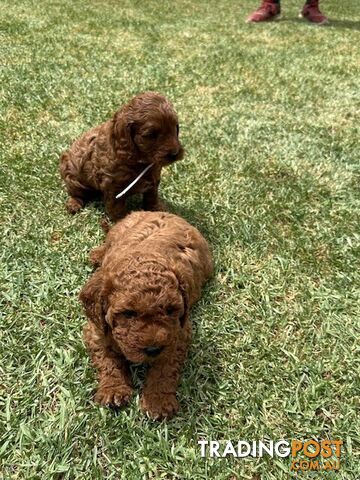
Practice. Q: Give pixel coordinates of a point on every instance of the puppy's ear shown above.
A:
(123, 131)
(94, 296)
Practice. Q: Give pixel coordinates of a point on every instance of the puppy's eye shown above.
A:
(151, 134)
(170, 310)
(129, 313)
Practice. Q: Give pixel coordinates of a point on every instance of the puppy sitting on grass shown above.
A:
(107, 158)
(150, 272)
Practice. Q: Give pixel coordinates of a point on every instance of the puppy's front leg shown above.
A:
(115, 207)
(151, 200)
(159, 394)
(115, 387)
(74, 204)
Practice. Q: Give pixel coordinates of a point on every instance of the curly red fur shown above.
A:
(108, 157)
(150, 272)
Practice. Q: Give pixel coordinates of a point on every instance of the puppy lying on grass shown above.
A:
(107, 158)
(150, 272)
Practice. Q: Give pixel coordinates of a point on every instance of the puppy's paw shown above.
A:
(73, 205)
(117, 396)
(105, 225)
(96, 255)
(159, 406)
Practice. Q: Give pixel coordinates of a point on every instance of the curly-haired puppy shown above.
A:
(151, 270)
(107, 158)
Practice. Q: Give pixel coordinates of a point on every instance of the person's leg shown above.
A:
(311, 12)
(268, 10)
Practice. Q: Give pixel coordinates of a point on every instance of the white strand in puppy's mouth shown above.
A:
(126, 189)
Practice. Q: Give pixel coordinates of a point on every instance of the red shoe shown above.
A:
(268, 10)
(312, 13)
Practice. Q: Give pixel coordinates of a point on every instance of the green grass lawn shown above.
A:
(270, 119)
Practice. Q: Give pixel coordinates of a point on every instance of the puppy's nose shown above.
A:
(173, 153)
(153, 351)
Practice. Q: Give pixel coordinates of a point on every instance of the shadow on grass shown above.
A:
(333, 23)
(133, 204)
(194, 217)
(344, 24)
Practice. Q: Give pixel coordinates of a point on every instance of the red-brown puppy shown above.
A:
(107, 158)
(151, 270)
